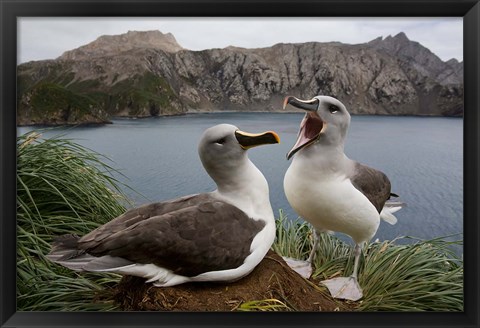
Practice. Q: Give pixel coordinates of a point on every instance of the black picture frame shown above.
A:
(11, 10)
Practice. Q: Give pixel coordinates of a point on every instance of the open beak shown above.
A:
(249, 140)
(310, 127)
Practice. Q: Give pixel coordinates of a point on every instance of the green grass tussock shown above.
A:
(61, 188)
(425, 275)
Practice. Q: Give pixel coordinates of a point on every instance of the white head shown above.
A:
(326, 122)
(223, 150)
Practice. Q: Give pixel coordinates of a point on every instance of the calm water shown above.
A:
(423, 158)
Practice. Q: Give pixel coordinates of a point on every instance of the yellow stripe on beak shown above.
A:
(249, 140)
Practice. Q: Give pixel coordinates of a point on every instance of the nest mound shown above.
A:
(271, 279)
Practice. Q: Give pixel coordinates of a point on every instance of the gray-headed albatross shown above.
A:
(331, 191)
(217, 236)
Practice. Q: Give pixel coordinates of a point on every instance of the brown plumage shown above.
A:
(373, 184)
(180, 236)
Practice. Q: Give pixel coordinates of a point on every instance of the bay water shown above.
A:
(422, 156)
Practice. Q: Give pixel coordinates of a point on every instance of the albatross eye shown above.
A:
(221, 141)
(333, 109)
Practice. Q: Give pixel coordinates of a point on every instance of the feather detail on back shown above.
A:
(65, 247)
(192, 237)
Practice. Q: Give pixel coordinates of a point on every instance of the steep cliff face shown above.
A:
(148, 74)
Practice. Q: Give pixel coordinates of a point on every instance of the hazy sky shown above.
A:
(48, 37)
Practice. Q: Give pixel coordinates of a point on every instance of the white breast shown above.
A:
(331, 202)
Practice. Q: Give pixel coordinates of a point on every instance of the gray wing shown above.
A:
(144, 212)
(209, 236)
(374, 184)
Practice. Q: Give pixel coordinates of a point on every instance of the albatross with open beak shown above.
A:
(331, 191)
(216, 236)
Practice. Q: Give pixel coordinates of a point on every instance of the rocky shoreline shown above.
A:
(102, 123)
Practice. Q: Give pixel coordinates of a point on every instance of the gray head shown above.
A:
(326, 122)
(223, 148)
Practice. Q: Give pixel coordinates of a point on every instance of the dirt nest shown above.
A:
(271, 279)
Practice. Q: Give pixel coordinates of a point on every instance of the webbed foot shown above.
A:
(344, 288)
(303, 268)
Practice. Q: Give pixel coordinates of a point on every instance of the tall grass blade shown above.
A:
(62, 188)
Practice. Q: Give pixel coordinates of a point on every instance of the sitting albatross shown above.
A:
(331, 191)
(216, 236)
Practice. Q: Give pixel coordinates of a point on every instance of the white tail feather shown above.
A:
(388, 209)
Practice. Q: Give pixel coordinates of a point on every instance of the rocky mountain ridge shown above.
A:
(110, 44)
(148, 74)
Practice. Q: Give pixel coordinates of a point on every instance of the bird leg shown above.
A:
(304, 268)
(358, 251)
(316, 237)
(347, 287)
